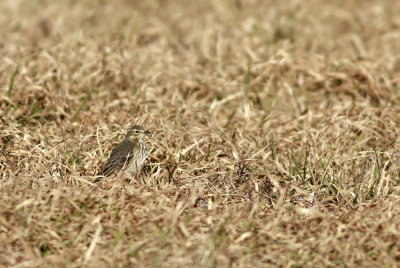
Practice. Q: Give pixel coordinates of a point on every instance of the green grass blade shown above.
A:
(11, 86)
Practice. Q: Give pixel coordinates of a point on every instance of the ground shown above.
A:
(275, 133)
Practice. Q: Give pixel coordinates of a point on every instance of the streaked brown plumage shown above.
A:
(130, 154)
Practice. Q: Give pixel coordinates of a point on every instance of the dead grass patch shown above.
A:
(275, 133)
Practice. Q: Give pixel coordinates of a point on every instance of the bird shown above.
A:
(129, 154)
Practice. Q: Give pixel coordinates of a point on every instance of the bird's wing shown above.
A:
(119, 156)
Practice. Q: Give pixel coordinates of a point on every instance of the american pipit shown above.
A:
(128, 154)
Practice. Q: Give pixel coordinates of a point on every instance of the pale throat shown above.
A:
(139, 137)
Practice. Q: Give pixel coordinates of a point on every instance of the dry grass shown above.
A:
(276, 133)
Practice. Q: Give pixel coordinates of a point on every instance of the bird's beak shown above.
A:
(147, 132)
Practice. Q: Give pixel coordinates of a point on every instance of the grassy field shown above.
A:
(275, 133)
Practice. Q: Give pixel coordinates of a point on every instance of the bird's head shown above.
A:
(137, 132)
